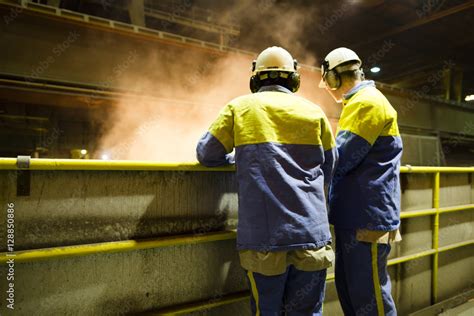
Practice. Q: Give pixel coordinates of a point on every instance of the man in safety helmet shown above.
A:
(285, 154)
(364, 197)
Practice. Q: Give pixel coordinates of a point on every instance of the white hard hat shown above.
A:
(335, 58)
(274, 58)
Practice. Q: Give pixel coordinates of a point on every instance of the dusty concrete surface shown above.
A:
(76, 207)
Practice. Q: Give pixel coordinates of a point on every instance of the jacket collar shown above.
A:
(361, 85)
(276, 88)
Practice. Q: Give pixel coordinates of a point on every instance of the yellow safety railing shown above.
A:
(436, 211)
(109, 165)
(129, 245)
(114, 246)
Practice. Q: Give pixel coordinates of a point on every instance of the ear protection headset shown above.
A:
(333, 77)
(293, 78)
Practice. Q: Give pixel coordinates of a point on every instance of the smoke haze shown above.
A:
(192, 86)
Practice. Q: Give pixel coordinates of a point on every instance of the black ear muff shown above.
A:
(294, 81)
(255, 84)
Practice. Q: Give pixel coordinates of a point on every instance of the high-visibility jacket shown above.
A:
(365, 189)
(284, 153)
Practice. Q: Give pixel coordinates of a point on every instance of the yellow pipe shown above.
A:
(411, 169)
(456, 245)
(114, 246)
(449, 209)
(81, 164)
(429, 252)
(8, 163)
(103, 165)
(203, 305)
(434, 275)
(411, 257)
(409, 214)
(433, 211)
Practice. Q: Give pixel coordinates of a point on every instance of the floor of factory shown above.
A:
(460, 305)
(465, 309)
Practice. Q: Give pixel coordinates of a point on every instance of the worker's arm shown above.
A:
(215, 146)
(330, 150)
(358, 130)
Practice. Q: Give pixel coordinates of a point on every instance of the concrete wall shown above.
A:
(75, 207)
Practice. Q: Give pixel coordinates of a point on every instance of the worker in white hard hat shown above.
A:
(285, 154)
(364, 196)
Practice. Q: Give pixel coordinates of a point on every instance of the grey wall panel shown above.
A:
(416, 232)
(429, 114)
(453, 120)
(456, 227)
(411, 112)
(415, 286)
(75, 207)
(115, 284)
(44, 48)
(456, 272)
(416, 191)
(455, 189)
(416, 235)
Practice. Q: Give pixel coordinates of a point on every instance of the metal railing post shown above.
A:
(434, 280)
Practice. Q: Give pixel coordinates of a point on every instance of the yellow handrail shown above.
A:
(432, 211)
(96, 164)
(411, 169)
(107, 165)
(114, 246)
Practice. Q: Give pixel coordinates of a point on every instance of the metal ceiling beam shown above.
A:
(8, 128)
(24, 117)
(414, 81)
(405, 71)
(193, 23)
(426, 62)
(419, 22)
